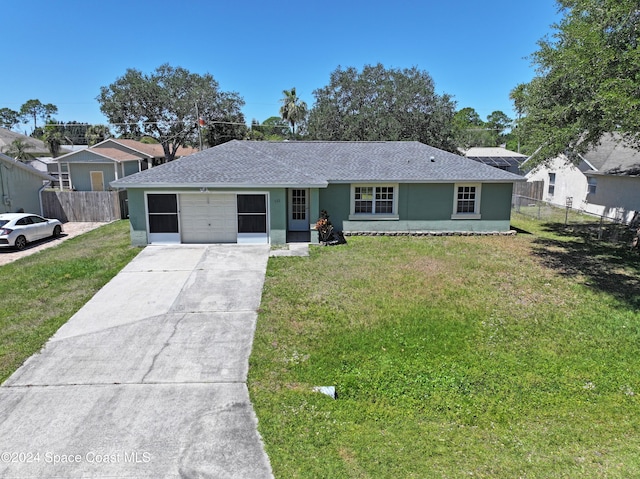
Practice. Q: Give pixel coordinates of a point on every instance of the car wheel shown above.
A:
(21, 243)
(56, 231)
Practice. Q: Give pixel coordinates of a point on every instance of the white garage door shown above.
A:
(208, 218)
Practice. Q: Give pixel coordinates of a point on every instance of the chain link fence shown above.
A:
(575, 221)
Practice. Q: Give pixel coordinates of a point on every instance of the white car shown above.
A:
(18, 229)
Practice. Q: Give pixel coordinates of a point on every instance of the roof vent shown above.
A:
(433, 159)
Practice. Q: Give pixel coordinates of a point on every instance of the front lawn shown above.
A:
(452, 357)
(40, 292)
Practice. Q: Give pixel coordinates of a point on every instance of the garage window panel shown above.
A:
(163, 213)
(252, 214)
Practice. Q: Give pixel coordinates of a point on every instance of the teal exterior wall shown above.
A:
(430, 202)
(19, 189)
(138, 219)
(496, 201)
(423, 208)
(335, 199)
(278, 215)
(81, 174)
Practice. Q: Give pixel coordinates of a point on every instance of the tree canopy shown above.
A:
(34, 109)
(9, 118)
(471, 130)
(587, 82)
(168, 105)
(382, 104)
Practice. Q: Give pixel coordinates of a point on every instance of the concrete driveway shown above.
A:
(148, 379)
(70, 230)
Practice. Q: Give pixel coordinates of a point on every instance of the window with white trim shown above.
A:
(592, 183)
(374, 200)
(552, 184)
(466, 202)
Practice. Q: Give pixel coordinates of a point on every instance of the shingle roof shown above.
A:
(314, 164)
(614, 157)
(152, 149)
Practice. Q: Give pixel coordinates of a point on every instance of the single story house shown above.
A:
(259, 191)
(20, 186)
(605, 181)
(93, 168)
(497, 157)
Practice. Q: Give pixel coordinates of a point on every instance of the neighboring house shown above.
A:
(20, 186)
(35, 147)
(258, 191)
(93, 168)
(606, 181)
(498, 157)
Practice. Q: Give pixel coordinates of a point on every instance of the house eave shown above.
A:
(432, 181)
(117, 184)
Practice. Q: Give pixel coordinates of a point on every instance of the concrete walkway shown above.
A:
(148, 379)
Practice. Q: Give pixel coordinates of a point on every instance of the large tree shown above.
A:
(382, 104)
(470, 130)
(9, 118)
(293, 109)
(167, 105)
(34, 109)
(587, 82)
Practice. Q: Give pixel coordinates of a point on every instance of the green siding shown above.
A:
(496, 202)
(81, 174)
(432, 202)
(137, 212)
(278, 215)
(423, 207)
(130, 167)
(137, 217)
(335, 199)
(19, 190)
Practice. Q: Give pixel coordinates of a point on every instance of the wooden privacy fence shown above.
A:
(91, 206)
(529, 189)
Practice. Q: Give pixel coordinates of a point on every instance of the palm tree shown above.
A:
(53, 139)
(97, 133)
(293, 109)
(18, 150)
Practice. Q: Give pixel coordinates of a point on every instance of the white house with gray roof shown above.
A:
(258, 191)
(605, 181)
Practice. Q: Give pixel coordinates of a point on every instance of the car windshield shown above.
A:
(3, 222)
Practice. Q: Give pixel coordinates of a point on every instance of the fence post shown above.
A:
(569, 203)
(600, 228)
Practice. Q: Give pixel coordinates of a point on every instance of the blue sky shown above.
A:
(63, 51)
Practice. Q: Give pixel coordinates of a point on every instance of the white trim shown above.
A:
(169, 238)
(476, 209)
(161, 238)
(353, 216)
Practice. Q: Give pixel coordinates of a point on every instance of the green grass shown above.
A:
(452, 357)
(40, 292)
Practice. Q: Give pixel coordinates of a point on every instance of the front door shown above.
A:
(97, 181)
(298, 210)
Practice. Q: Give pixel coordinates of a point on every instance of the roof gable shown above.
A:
(614, 157)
